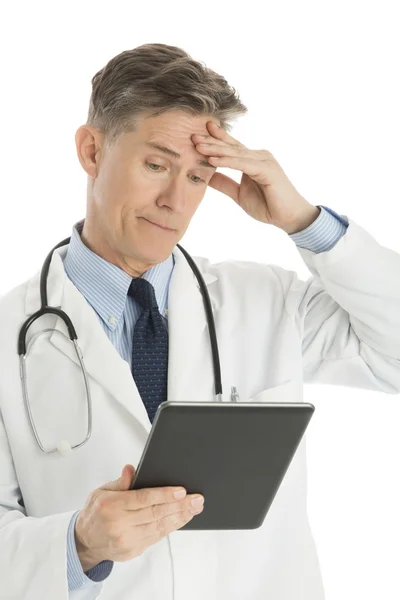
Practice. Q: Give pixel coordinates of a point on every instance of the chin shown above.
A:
(154, 256)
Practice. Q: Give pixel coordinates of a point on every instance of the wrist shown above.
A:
(87, 560)
(86, 557)
(304, 221)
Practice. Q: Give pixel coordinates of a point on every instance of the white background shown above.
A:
(321, 82)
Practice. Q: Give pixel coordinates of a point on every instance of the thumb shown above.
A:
(123, 482)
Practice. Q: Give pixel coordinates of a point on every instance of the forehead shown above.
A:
(174, 127)
(171, 133)
(175, 124)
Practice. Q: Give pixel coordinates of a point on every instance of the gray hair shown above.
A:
(152, 79)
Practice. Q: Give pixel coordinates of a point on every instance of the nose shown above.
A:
(174, 196)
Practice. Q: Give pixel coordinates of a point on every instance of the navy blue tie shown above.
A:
(150, 348)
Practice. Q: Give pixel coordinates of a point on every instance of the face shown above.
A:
(141, 198)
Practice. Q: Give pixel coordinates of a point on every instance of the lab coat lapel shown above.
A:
(102, 361)
(190, 367)
(190, 374)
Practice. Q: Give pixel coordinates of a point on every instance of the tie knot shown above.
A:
(143, 292)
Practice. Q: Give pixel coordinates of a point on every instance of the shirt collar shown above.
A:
(104, 285)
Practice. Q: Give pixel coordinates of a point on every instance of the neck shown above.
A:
(100, 246)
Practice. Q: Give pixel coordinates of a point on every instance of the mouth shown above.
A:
(159, 226)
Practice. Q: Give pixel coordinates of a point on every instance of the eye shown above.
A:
(150, 165)
(153, 165)
(199, 178)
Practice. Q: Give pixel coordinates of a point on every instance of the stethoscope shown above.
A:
(64, 446)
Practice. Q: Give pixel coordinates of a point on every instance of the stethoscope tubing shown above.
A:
(45, 309)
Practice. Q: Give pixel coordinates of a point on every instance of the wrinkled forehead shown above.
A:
(171, 133)
(175, 125)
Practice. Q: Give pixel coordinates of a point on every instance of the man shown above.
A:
(68, 527)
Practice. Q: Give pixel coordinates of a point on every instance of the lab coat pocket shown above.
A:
(290, 391)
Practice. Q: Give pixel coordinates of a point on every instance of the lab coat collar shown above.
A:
(190, 373)
(105, 285)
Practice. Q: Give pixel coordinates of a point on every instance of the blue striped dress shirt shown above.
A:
(105, 288)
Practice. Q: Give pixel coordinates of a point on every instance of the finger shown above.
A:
(136, 499)
(163, 527)
(160, 511)
(254, 168)
(225, 185)
(123, 482)
(208, 139)
(221, 134)
(221, 150)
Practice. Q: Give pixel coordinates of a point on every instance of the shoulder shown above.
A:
(247, 287)
(255, 275)
(12, 307)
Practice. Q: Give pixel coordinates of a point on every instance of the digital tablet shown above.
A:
(233, 453)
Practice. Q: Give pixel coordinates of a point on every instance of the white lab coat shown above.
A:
(275, 331)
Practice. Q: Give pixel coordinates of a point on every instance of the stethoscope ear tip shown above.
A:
(64, 448)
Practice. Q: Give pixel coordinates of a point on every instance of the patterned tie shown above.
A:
(150, 348)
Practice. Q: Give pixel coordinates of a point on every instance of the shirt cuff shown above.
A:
(75, 575)
(323, 233)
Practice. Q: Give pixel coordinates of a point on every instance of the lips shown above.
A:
(157, 225)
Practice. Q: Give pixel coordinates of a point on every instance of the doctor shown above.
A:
(70, 527)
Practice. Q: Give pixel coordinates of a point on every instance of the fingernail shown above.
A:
(179, 495)
(197, 501)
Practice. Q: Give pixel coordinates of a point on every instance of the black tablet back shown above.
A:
(234, 453)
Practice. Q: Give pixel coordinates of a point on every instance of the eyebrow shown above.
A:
(167, 150)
